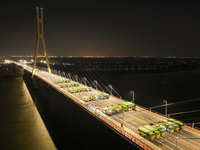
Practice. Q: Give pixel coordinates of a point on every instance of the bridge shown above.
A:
(125, 123)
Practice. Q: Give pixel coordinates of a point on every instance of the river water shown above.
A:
(21, 127)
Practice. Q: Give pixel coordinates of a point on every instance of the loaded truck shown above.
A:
(105, 96)
(146, 133)
(167, 127)
(158, 128)
(129, 105)
(85, 98)
(106, 110)
(175, 126)
(180, 124)
(154, 130)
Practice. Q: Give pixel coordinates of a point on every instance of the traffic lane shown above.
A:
(189, 142)
(190, 138)
(133, 125)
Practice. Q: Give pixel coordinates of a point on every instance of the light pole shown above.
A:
(165, 101)
(133, 95)
(84, 78)
(96, 83)
(76, 78)
(69, 76)
(111, 89)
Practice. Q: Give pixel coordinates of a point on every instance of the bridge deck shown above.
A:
(186, 139)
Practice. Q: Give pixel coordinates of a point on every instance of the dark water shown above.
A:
(21, 127)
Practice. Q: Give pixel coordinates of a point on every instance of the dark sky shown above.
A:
(104, 27)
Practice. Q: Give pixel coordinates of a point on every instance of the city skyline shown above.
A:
(103, 28)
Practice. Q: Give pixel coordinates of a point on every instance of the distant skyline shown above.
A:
(157, 28)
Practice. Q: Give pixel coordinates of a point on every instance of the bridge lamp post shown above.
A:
(165, 101)
(76, 77)
(84, 79)
(96, 83)
(133, 95)
(111, 89)
(69, 76)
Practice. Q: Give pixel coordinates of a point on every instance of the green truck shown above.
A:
(175, 126)
(146, 133)
(158, 128)
(154, 130)
(105, 96)
(62, 81)
(129, 105)
(167, 127)
(85, 98)
(107, 110)
(180, 124)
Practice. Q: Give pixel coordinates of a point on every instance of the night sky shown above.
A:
(105, 27)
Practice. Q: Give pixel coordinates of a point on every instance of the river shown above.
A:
(21, 127)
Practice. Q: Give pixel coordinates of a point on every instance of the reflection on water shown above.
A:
(21, 125)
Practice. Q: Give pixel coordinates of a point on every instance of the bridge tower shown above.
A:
(40, 35)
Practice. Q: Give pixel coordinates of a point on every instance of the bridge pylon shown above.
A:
(40, 35)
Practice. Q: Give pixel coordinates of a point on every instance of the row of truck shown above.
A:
(62, 81)
(94, 97)
(69, 84)
(158, 129)
(109, 110)
(79, 89)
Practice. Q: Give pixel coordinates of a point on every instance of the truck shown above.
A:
(105, 96)
(86, 89)
(106, 110)
(158, 128)
(180, 124)
(146, 133)
(154, 130)
(118, 109)
(129, 105)
(175, 126)
(112, 108)
(85, 98)
(122, 107)
(167, 127)
(73, 90)
(96, 97)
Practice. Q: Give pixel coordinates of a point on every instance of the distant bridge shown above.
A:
(125, 123)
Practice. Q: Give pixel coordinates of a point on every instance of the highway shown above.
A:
(186, 139)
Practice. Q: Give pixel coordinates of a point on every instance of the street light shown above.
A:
(165, 101)
(69, 76)
(84, 79)
(133, 94)
(111, 89)
(96, 83)
(76, 77)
